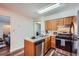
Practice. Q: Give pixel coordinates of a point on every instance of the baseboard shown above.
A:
(14, 52)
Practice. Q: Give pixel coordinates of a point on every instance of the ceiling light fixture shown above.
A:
(49, 8)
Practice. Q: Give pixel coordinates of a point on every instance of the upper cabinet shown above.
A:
(74, 19)
(53, 24)
(48, 25)
(68, 20)
(60, 21)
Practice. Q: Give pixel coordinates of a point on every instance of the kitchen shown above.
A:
(59, 38)
(49, 29)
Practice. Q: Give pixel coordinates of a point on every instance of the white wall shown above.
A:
(1, 30)
(21, 28)
(42, 25)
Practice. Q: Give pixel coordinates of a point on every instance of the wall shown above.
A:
(1, 30)
(21, 28)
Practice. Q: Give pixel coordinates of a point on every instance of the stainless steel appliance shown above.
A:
(67, 38)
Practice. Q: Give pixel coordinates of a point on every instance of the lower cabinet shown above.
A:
(47, 44)
(53, 42)
(33, 48)
(36, 48)
(29, 48)
(40, 47)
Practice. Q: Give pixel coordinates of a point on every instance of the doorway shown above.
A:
(38, 28)
(4, 35)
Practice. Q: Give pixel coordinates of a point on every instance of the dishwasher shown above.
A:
(39, 48)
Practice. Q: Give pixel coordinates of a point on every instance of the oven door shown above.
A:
(58, 43)
(66, 47)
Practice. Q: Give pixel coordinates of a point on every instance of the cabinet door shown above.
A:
(61, 21)
(53, 42)
(47, 44)
(74, 19)
(68, 20)
(29, 48)
(54, 25)
(48, 25)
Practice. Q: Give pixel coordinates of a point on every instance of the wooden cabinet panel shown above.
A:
(61, 22)
(53, 42)
(29, 48)
(74, 18)
(67, 20)
(51, 25)
(54, 25)
(47, 45)
(48, 25)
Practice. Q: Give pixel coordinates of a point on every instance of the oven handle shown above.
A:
(62, 39)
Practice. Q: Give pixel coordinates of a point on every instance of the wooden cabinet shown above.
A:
(54, 25)
(48, 25)
(47, 44)
(53, 42)
(29, 48)
(33, 48)
(60, 22)
(67, 20)
(37, 48)
(74, 19)
(51, 25)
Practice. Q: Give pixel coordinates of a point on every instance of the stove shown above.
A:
(65, 42)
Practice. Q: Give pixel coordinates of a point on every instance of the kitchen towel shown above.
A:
(62, 42)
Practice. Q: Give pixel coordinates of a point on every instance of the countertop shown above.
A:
(38, 39)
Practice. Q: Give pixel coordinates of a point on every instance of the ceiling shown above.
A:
(30, 9)
(26, 9)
